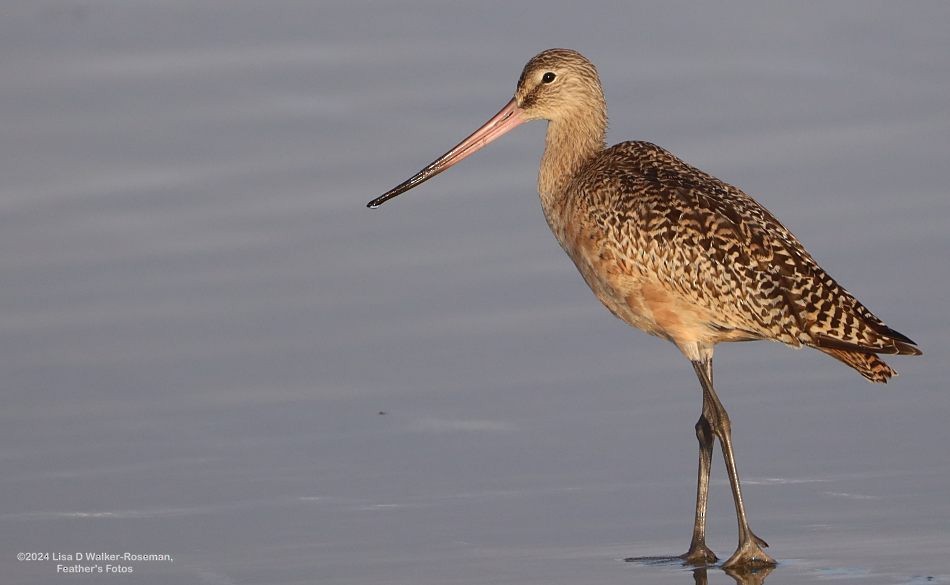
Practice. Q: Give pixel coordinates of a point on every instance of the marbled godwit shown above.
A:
(677, 253)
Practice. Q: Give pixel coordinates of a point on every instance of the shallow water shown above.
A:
(212, 350)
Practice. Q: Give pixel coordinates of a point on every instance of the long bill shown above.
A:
(505, 120)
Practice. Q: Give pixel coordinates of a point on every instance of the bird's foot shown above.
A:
(749, 556)
(699, 555)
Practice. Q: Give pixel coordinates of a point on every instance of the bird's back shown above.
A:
(657, 238)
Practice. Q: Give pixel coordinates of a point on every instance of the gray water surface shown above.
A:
(211, 349)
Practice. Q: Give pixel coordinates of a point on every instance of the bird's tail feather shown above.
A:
(867, 364)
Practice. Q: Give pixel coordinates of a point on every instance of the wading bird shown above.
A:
(677, 253)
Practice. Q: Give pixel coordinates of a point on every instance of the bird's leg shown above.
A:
(749, 553)
(699, 553)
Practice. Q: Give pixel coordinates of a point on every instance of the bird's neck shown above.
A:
(570, 144)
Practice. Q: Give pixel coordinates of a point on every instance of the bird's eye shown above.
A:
(548, 77)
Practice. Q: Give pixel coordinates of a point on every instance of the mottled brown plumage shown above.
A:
(637, 217)
(677, 253)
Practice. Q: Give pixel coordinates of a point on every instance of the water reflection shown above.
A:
(742, 576)
(701, 574)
